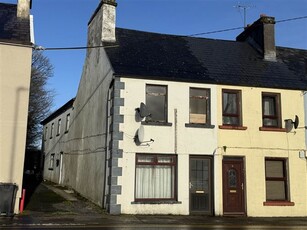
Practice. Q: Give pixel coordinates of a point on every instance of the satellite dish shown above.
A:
(288, 125)
(141, 134)
(296, 122)
(143, 111)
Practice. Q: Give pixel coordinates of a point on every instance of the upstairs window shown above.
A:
(67, 122)
(271, 110)
(46, 133)
(59, 127)
(199, 106)
(51, 131)
(231, 107)
(156, 102)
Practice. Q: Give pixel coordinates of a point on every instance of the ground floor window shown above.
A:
(276, 179)
(51, 162)
(155, 177)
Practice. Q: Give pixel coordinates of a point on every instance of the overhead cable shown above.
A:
(191, 35)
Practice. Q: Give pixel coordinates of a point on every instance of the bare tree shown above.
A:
(41, 98)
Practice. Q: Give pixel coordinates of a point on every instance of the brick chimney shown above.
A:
(261, 35)
(104, 18)
(23, 9)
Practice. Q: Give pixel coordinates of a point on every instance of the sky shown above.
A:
(63, 23)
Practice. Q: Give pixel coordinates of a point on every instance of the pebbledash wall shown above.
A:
(173, 138)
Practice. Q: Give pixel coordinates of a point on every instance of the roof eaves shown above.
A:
(59, 111)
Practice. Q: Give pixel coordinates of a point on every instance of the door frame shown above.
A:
(243, 180)
(211, 184)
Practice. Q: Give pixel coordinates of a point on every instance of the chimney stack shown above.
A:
(23, 9)
(102, 23)
(261, 36)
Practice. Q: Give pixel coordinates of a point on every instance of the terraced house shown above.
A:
(165, 124)
(16, 39)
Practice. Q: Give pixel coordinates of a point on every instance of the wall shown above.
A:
(190, 141)
(15, 69)
(55, 145)
(85, 152)
(255, 145)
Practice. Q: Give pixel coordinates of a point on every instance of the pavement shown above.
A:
(53, 205)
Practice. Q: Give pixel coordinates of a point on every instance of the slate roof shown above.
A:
(12, 29)
(189, 59)
(59, 111)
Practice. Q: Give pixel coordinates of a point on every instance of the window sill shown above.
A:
(278, 203)
(195, 125)
(58, 135)
(232, 127)
(156, 123)
(272, 129)
(157, 202)
(50, 169)
(66, 131)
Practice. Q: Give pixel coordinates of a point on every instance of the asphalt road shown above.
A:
(155, 227)
(53, 207)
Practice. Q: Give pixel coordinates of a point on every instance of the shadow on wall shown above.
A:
(15, 141)
(32, 176)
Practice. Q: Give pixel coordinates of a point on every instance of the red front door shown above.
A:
(233, 186)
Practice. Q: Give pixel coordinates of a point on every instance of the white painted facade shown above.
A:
(184, 142)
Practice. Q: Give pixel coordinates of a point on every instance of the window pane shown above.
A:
(199, 105)
(154, 182)
(231, 108)
(232, 178)
(269, 106)
(156, 103)
(145, 159)
(275, 190)
(156, 89)
(270, 122)
(271, 110)
(165, 160)
(276, 181)
(230, 120)
(59, 126)
(67, 122)
(230, 103)
(274, 169)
